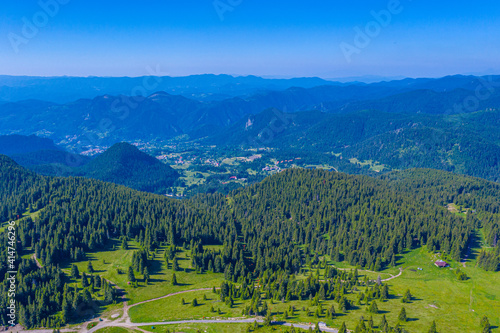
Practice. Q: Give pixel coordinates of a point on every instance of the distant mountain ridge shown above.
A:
(464, 143)
(205, 87)
(164, 116)
(199, 87)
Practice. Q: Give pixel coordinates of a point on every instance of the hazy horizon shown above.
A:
(388, 38)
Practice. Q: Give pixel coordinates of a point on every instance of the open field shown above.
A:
(214, 328)
(374, 165)
(113, 329)
(438, 295)
(107, 263)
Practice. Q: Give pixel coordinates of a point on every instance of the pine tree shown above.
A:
(66, 311)
(485, 325)
(407, 296)
(124, 245)
(131, 275)
(174, 280)
(373, 308)
(146, 275)
(433, 328)
(85, 282)
(74, 272)
(370, 322)
(90, 269)
(175, 265)
(331, 312)
(194, 303)
(109, 295)
(343, 328)
(383, 323)
(402, 315)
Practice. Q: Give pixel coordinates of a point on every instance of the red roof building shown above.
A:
(441, 264)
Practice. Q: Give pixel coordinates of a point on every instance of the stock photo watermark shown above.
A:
(122, 106)
(364, 35)
(31, 26)
(224, 6)
(11, 273)
(279, 123)
(483, 91)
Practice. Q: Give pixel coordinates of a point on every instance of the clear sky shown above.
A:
(281, 38)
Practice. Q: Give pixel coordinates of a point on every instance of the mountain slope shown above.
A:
(464, 143)
(126, 165)
(108, 119)
(20, 144)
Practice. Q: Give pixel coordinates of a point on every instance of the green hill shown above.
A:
(124, 164)
(277, 241)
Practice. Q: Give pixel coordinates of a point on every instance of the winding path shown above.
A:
(394, 276)
(125, 321)
(203, 321)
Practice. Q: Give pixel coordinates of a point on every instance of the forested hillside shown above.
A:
(82, 214)
(121, 164)
(465, 143)
(124, 164)
(274, 227)
(20, 144)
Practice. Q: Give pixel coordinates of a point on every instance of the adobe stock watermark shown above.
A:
(364, 36)
(31, 26)
(457, 115)
(120, 109)
(122, 106)
(279, 123)
(483, 91)
(224, 6)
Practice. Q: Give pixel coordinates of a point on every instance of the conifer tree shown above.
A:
(90, 268)
(402, 315)
(131, 275)
(433, 328)
(74, 272)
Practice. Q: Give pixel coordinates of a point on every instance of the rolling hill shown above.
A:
(311, 238)
(124, 164)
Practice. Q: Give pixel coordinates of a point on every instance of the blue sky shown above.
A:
(267, 38)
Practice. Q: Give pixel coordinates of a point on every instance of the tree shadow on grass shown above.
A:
(156, 280)
(383, 312)
(155, 267)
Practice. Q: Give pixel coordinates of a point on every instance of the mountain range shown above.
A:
(109, 119)
(449, 123)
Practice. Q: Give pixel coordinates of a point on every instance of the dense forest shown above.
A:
(269, 230)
